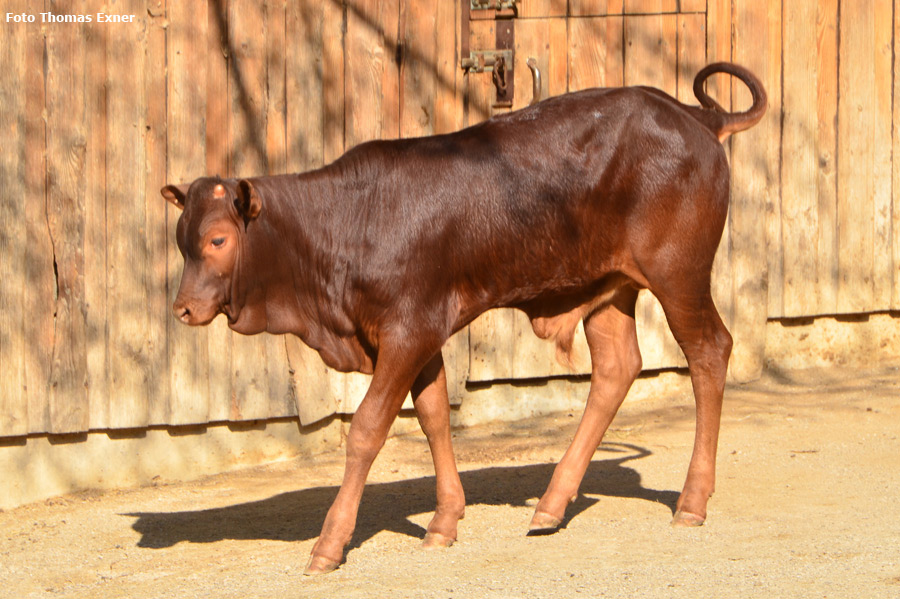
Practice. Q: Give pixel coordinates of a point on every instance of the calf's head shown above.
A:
(211, 237)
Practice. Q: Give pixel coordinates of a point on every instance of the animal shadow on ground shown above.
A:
(298, 515)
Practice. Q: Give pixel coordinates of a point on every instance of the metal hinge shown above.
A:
(498, 5)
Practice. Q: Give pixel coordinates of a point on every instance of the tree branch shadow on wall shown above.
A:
(403, 52)
(298, 515)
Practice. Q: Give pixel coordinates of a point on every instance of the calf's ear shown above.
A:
(175, 194)
(247, 202)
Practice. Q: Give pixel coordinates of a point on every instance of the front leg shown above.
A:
(394, 374)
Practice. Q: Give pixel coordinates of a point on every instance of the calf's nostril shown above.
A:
(181, 311)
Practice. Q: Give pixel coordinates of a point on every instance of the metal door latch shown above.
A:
(499, 63)
(480, 61)
(499, 60)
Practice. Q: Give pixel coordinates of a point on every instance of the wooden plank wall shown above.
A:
(834, 248)
(813, 225)
(90, 266)
(97, 118)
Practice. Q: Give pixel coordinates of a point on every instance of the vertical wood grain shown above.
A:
(334, 28)
(218, 98)
(154, 82)
(595, 52)
(883, 107)
(895, 166)
(126, 224)
(276, 42)
(96, 245)
(754, 183)
(480, 94)
(366, 59)
(247, 38)
(826, 154)
(40, 289)
(650, 51)
(799, 167)
(186, 65)
(448, 102)
(13, 344)
(66, 164)
(857, 119)
(774, 211)
(390, 79)
(304, 85)
(558, 64)
(418, 87)
(691, 51)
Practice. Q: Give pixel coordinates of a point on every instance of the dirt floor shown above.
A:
(807, 505)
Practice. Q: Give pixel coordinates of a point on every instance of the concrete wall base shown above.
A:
(863, 340)
(38, 467)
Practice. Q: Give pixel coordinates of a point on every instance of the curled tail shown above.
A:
(719, 120)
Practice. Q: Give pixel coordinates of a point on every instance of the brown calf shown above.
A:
(565, 210)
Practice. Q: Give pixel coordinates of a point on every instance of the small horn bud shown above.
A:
(219, 191)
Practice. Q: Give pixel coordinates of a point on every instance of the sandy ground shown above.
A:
(806, 506)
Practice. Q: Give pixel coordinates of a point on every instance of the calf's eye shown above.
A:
(218, 241)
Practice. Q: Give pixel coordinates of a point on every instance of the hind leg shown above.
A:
(706, 344)
(615, 363)
(432, 406)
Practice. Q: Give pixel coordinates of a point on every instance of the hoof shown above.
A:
(435, 540)
(684, 519)
(544, 523)
(320, 565)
